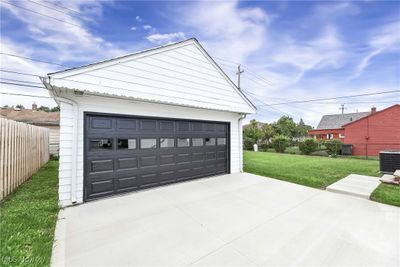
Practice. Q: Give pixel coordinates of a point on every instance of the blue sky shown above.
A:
(289, 50)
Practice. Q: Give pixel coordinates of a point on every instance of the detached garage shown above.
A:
(147, 119)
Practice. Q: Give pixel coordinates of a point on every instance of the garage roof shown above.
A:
(182, 74)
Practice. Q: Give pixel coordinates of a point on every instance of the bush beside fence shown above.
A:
(24, 149)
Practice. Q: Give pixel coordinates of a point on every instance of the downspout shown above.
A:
(242, 117)
(75, 118)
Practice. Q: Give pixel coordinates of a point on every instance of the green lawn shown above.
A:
(313, 171)
(28, 219)
(388, 194)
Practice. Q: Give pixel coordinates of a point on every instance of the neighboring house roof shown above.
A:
(373, 114)
(36, 117)
(336, 121)
(182, 74)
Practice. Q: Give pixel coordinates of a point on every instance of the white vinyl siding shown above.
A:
(182, 75)
(117, 106)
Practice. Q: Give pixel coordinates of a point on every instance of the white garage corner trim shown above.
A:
(151, 118)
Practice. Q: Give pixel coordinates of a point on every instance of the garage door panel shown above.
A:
(102, 186)
(183, 174)
(183, 158)
(167, 126)
(148, 125)
(126, 124)
(101, 123)
(125, 183)
(167, 159)
(210, 155)
(101, 165)
(148, 161)
(167, 177)
(147, 180)
(127, 163)
(125, 153)
(198, 156)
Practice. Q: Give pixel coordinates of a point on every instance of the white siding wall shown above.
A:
(117, 106)
(181, 75)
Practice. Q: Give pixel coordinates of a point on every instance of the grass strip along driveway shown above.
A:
(317, 172)
(28, 219)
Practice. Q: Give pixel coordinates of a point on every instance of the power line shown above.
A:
(33, 59)
(20, 81)
(333, 98)
(38, 96)
(53, 5)
(266, 104)
(63, 7)
(30, 10)
(20, 73)
(23, 85)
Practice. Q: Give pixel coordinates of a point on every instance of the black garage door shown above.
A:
(131, 153)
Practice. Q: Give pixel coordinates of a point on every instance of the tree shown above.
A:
(44, 108)
(308, 146)
(280, 143)
(267, 132)
(286, 126)
(55, 109)
(252, 132)
(19, 106)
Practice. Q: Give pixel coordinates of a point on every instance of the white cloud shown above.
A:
(133, 28)
(165, 38)
(66, 42)
(383, 40)
(138, 19)
(147, 27)
(225, 29)
(324, 51)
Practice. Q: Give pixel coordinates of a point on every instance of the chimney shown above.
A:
(34, 106)
(373, 110)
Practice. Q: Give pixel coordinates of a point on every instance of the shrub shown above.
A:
(308, 146)
(248, 143)
(263, 147)
(280, 143)
(333, 147)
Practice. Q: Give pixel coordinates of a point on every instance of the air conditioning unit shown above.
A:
(389, 161)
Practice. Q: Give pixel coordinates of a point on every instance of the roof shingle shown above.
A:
(336, 121)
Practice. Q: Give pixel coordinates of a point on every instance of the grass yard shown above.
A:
(388, 194)
(28, 219)
(313, 171)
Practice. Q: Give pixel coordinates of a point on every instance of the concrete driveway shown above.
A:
(236, 219)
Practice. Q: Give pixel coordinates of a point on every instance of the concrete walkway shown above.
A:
(229, 220)
(355, 185)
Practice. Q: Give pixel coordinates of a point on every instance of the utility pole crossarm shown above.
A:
(240, 71)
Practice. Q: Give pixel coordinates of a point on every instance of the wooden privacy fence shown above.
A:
(24, 149)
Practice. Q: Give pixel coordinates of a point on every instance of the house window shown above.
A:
(148, 143)
(329, 136)
(183, 142)
(197, 142)
(167, 142)
(126, 143)
(99, 144)
(341, 135)
(210, 141)
(221, 141)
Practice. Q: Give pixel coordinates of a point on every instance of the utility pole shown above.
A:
(240, 71)
(342, 108)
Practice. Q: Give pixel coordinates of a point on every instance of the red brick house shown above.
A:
(368, 132)
(378, 131)
(331, 126)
